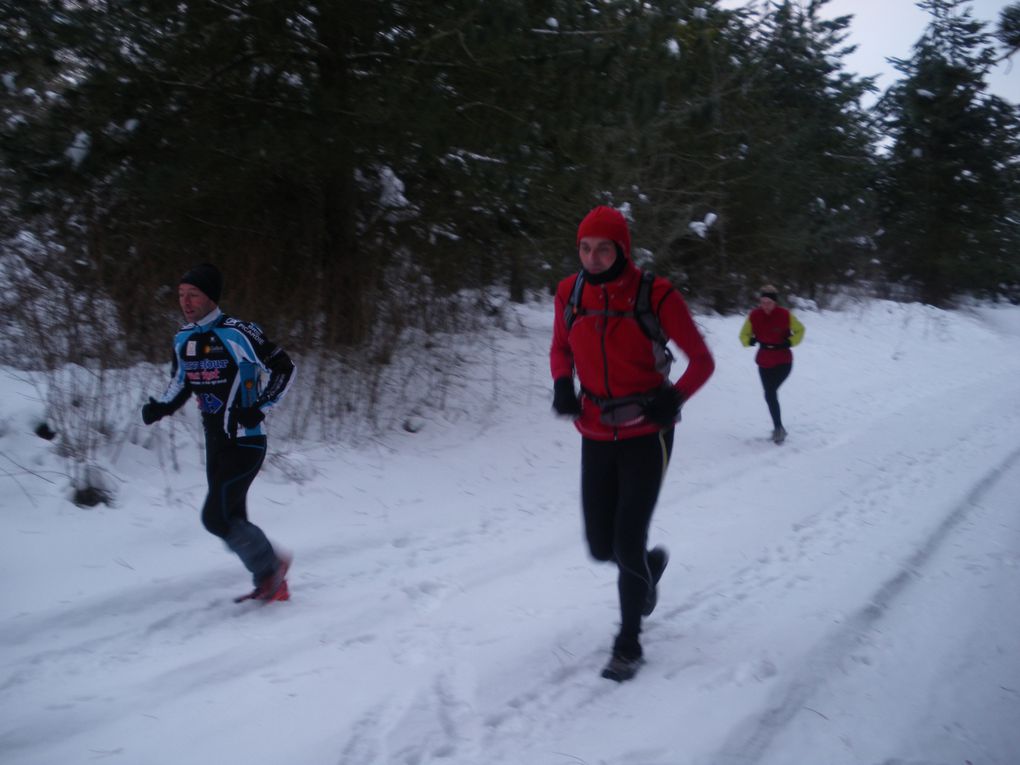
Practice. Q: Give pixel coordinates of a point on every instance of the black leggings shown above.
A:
(620, 483)
(771, 379)
(230, 467)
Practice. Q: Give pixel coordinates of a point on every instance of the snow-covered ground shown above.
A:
(848, 597)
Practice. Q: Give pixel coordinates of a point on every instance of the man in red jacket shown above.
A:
(627, 407)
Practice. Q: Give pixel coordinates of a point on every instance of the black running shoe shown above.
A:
(622, 668)
(658, 557)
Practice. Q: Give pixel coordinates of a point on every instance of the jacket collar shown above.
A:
(206, 322)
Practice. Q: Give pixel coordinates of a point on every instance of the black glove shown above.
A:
(154, 410)
(785, 344)
(664, 408)
(564, 399)
(753, 341)
(249, 416)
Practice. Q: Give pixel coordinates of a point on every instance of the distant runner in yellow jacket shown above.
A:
(775, 330)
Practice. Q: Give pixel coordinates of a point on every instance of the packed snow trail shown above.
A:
(919, 585)
(843, 598)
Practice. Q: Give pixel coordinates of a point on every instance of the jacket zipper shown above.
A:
(605, 356)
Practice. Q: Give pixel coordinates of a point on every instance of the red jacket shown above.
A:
(612, 355)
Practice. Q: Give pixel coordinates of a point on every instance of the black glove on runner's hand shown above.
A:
(565, 401)
(249, 416)
(664, 408)
(154, 410)
(753, 340)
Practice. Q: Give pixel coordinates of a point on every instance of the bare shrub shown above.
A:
(416, 347)
(62, 331)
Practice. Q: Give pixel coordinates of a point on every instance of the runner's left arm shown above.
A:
(281, 375)
(678, 324)
(273, 360)
(796, 330)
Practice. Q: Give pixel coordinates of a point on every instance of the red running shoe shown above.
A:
(272, 587)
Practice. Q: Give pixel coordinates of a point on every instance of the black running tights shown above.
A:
(620, 483)
(771, 379)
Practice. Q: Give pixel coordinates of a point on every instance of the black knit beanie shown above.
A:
(207, 278)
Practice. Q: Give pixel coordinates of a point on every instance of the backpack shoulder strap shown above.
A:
(645, 316)
(643, 311)
(572, 309)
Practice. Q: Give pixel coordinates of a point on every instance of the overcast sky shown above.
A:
(889, 28)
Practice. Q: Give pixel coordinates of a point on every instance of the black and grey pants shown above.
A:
(231, 465)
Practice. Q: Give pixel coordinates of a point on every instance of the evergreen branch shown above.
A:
(249, 99)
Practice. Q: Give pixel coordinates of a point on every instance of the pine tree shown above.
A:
(346, 155)
(763, 134)
(950, 188)
(1008, 30)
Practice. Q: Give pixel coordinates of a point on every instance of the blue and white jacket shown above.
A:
(221, 360)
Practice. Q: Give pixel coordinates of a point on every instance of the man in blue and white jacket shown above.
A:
(221, 361)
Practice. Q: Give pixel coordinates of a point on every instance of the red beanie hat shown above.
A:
(608, 223)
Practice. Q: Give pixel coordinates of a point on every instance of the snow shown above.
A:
(847, 597)
(701, 227)
(392, 194)
(79, 148)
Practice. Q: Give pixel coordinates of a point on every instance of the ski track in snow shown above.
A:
(748, 747)
(445, 691)
(862, 507)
